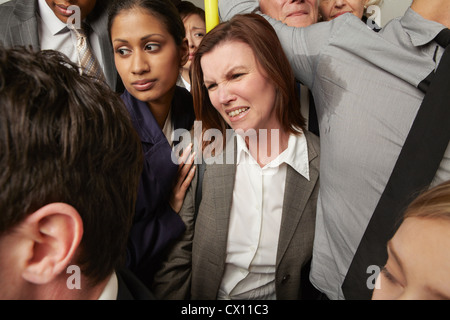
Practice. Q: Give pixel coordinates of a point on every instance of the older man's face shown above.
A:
(298, 13)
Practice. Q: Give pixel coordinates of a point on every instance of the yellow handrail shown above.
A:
(211, 14)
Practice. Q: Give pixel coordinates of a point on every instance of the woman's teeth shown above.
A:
(237, 112)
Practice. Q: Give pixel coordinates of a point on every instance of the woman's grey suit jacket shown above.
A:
(205, 249)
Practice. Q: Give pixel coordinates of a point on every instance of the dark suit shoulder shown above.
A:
(183, 114)
(131, 288)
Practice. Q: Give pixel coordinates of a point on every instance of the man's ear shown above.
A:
(56, 231)
(184, 52)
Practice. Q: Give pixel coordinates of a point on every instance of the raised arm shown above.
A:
(230, 8)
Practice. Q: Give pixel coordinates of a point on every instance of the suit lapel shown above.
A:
(223, 177)
(99, 23)
(25, 32)
(296, 195)
(108, 60)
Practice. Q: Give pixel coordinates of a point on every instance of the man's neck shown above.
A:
(58, 290)
(434, 10)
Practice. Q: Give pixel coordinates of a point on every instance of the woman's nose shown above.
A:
(139, 63)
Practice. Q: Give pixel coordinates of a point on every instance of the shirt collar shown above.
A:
(420, 30)
(295, 155)
(111, 289)
(143, 119)
(50, 19)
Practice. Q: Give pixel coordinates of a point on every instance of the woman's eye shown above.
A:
(123, 51)
(388, 275)
(152, 47)
(237, 76)
(211, 87)
(199, 35)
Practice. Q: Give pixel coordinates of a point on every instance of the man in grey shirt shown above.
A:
(365, 88)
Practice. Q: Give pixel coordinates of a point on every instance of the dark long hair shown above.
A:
(164, 10)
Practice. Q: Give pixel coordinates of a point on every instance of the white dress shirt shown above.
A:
(54, 35)
(255, 220)
(111, 289)
(186, 84)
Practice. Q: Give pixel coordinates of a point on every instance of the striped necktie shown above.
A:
(86, 58)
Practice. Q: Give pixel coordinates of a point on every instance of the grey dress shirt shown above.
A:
(365, 89)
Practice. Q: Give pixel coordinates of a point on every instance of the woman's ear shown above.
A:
(56, 230)
(184, 52)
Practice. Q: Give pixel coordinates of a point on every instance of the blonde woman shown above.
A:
(418, 258)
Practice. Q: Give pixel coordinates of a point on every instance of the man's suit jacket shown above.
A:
(130, 287)
(206, 248)
(19, 27)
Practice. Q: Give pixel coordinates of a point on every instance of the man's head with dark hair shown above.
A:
(70, 162)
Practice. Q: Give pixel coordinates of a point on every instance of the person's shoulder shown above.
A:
(323, 32)
(16, 12)
(182, 98)
(130, 287)
(12, 14)
(21, 6)
(182, 92)
(6, 9)
(8, 5)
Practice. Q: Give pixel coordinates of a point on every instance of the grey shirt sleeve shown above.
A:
(230, 8)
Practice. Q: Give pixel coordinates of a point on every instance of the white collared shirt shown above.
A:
(54, 35)
(186, 84)
(111, 289)
(255, 220)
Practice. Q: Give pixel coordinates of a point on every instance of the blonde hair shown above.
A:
(433, 203)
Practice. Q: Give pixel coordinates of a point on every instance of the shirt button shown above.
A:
(285, 278)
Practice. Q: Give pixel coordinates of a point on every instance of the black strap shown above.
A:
(414, 170)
